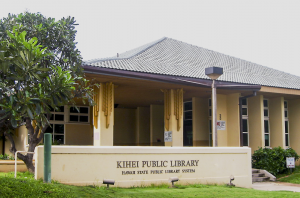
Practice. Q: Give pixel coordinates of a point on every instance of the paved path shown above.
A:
(276, 186)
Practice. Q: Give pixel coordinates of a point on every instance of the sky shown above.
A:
(266, 32)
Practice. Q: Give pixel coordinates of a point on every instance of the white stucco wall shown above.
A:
(130, 166)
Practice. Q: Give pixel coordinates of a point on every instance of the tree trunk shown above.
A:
(28, 163)
(35, 137)
(27, 159)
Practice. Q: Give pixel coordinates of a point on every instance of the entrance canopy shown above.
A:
(141, 89)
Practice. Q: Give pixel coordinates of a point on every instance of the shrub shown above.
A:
(6, 157)
(273, 160)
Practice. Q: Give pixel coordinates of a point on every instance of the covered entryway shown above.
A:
(140, 113)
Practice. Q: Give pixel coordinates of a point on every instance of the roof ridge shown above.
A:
(143, 49)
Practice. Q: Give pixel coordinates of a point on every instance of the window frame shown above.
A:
(286, 119)
(188, 119)
(267, 118)
(245, 117)
(58, 134)
(54, 113)
(66, 113)
(77, 114)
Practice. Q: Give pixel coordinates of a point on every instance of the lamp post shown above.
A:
(214, 73)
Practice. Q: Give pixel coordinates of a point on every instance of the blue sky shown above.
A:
(266, 32)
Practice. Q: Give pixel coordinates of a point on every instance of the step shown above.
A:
(260, 179)
(255, 170)
(258, 175)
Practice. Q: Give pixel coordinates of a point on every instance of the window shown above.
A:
(56, 128)
(286, 124)
(57, 115)
(245, 122)
(58, 133)
(79, 115)
(266, 123)
(66, 114)
(57, 125)
(188, 124)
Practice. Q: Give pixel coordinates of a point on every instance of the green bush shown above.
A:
(6, 157)
(273, 160)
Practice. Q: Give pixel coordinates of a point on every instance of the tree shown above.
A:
(40, 69)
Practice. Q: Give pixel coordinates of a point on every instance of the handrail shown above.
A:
(16, 160)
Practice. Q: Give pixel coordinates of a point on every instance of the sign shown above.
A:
(290, 162)
(146, 165)
(221, 125)
(169, 166)
(168, 136)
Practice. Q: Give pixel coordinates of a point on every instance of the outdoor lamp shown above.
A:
(230, 181)
(108, 182)
(173, 179)
(214, 73)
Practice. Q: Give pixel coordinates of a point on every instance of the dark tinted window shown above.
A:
(244, 102)
(59, 117)
(188, 115)
(266, 112)
(84, 118)
(188, 106)
(267, 140)
(84, 110)
(266, 103)
(285, 104)
(59, 128)
(244, 111)
(286, 127)
(285, 114)
(245, 139)
(73, 118)
(266, 126)
(245, 125)
(73, 110)
(59, 139)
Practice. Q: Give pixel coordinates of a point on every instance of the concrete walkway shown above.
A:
(276, 186)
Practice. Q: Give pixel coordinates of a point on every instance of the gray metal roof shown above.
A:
(171, 57)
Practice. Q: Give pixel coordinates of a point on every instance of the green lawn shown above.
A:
(291, 178)
(26, 186)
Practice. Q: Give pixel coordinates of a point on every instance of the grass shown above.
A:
(26, 186)
(291, 178)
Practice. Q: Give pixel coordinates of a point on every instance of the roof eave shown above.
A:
(197, 82)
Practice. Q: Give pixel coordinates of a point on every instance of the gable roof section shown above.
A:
(167, 56)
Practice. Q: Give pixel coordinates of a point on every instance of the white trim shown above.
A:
(245, 117)
(286, 119)
(68, 114)
(267, 118)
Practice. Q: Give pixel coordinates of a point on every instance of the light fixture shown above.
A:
(214, 73)
(108, 182)
(230, 182)
(173, 179)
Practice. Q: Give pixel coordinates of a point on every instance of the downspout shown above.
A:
(241, 115)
